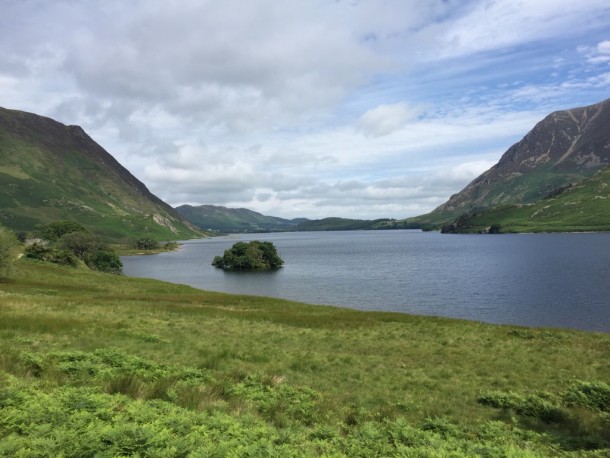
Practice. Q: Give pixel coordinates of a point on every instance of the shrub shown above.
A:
(533, 406)
(78, 245)
(89, 248)
(81, 244)
(64, 258)
(49, 254)
(594, 395)
(170, 246)
(249, 256)
(37, 251)
(105, 260)
(147, 243)
(56, 229)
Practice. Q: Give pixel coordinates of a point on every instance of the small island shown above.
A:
(255, 255)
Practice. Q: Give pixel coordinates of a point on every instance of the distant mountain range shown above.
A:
(223, 219)
(561, 151)
(51, 172)
(556, 179)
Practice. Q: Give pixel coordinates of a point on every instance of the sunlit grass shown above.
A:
(331, 373)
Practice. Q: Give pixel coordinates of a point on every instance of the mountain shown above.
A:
(217, 218)
(51, 172)
(573, 208)
(564, 148)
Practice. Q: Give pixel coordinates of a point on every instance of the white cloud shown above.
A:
(599, 54)
(497, 24)
(325, 108)
(385, 119)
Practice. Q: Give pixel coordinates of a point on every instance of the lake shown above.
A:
(555, 280)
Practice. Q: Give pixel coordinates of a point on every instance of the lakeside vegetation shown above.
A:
(254, 255)
(93, 364)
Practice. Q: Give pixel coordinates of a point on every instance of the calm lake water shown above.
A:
(557, 280)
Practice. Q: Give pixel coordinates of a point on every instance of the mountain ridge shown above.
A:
(564, 148)
(55, 172)
(224, 219)
(582, 207)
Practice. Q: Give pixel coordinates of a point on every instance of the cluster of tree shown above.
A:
(67, 243)
(146, 243)
(150, 244)
(254, 255)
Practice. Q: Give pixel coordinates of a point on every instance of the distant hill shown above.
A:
(223, 219)
(217, 218)
(346, 224)
(564, 148)
(50, 172)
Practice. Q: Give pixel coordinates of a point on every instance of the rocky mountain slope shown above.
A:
(565, 147)
(217, 218)
(50, 172)
(572, 208)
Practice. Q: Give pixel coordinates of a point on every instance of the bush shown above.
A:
(533, 406)
(170, 246)
(105, 260)
(594, 395)
(64, 258)
(48, 254)
(89, 248)
(37, 251)
(80, 243)
(147, 243)
(56, 229)
(255, 255)
(8, 252)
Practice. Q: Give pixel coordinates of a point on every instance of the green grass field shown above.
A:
(98, 365)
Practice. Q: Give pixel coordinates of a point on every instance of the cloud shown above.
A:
(234, 65)
(325, 108)
(599, 54)
(412, 170)
(385, 119)
(497, 24)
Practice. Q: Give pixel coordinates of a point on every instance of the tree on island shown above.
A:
(255, 255)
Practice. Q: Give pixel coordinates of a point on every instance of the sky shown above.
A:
(304, 108)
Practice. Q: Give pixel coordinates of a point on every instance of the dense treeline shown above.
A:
(255, 255)
(67, 243)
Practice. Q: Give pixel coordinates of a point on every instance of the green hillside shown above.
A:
(98, 365)
(223, 219)
(52, 172)
(564, 148)
(582, 207)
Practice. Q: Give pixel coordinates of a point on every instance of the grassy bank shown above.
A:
(93, 363)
